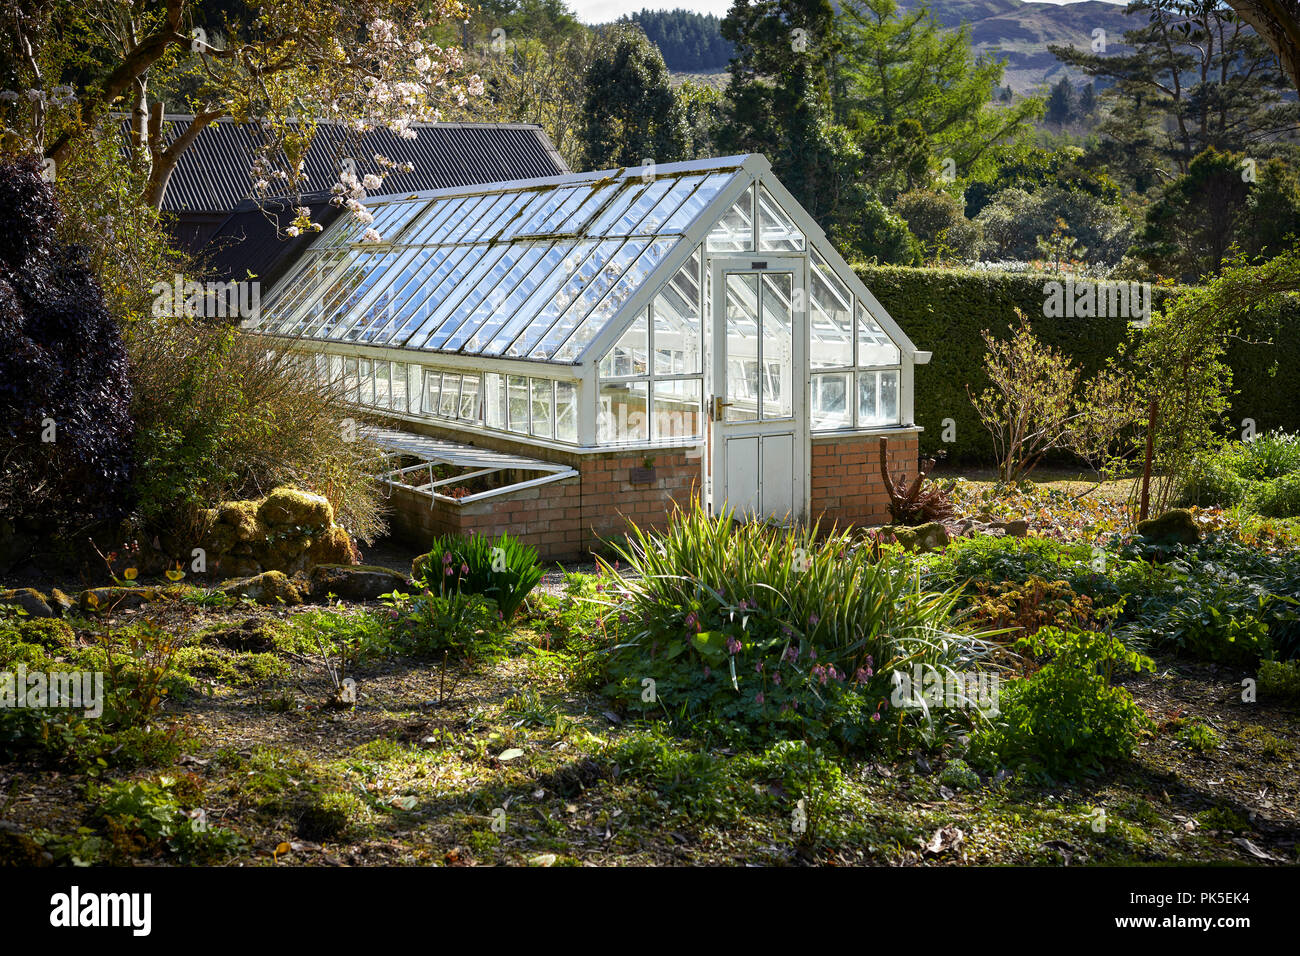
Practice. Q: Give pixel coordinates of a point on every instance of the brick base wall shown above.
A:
(846, 485)
(568, 519)
(564, 520)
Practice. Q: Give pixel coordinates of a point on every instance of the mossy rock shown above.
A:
(60, 602)
(355, 582)
(1176, 526)
(117, 598)
(243, 517)
(289, 506)
(333, 547)
(921, 537)
(269, 587)
(30, 600)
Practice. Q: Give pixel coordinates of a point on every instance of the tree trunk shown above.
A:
(1278, 22)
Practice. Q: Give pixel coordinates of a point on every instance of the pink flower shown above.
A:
(758, 668)
(464, 568)
(776, 678)
(733, 646)
(875, 716)
(758, 698)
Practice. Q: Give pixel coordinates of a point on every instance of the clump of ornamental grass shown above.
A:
(764, 632)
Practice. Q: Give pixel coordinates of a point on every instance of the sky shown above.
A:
(603, 11)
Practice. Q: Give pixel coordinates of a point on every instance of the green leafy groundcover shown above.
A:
(765, 633)
(1221, 600)
(1262, 475)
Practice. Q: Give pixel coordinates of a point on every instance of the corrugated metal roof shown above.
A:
(251, 239)
(214, 173)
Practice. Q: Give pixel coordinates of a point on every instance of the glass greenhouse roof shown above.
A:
(529, 270)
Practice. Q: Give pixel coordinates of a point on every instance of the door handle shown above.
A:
(718, 406)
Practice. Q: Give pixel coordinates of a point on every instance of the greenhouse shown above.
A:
(661, 332)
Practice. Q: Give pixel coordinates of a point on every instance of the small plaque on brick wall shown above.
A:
(641, 476)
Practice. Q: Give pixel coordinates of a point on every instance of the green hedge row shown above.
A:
(944, 311)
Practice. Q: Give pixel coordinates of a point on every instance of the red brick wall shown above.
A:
(566, 519)
(846, 484)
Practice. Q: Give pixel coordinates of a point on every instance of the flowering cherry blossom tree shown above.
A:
(364, 64)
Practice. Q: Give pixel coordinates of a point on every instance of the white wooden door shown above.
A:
(759, 417)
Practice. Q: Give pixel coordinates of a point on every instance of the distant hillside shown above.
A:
(690, 42)
(1019, 33)
(1013, 30)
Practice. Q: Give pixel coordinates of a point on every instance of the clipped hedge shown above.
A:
(944, 311)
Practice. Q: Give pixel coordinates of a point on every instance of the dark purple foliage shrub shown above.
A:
(62, 364)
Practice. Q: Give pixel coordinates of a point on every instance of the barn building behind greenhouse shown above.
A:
(554, 356)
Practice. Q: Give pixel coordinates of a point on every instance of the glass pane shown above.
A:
(458, 306)
(543, 395)
(735, 230)
(573, 198)
(365, 382)
(654, 220)
(498, 284)
(521, 304)
(589, 208)
(432, 392)
(425, 231)
(614, 211)
(628, 223)
(413, 374)
(691, 208)
(830, 328)
(518, 403)
(874, 346)
(622, 412)
(288, 294)
(446, 294)
(778, 345)
(450, 401)
(351, 377)
(496, 216)
(677, 322)
(468, 217)
(566, 411)
(612, 303)
(383, 392)
(677, 409)
(741, 390)
(538, 212)
(494, 400)
(776, 231)
(830, 400)
(469, 408)
(408, 311)
(580, 294)
(877, 398)
(629, 356)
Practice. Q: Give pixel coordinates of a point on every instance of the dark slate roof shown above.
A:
(251, 240)
(213, 174)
